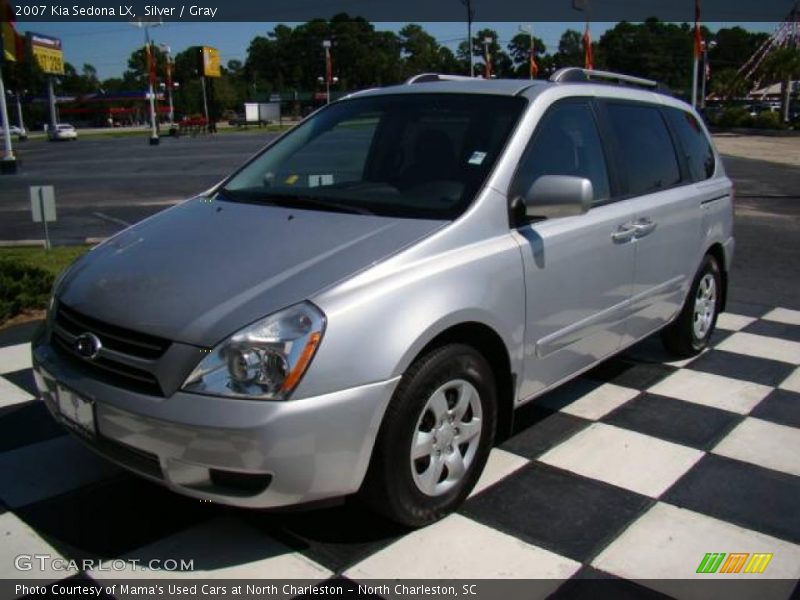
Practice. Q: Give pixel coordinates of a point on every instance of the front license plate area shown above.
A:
(76, 411)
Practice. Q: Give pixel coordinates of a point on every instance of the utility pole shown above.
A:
(706, 47)
(146, 25)
(470, 15)
(20, 120)
(166, 50)
(9, 162)
(529, 30)
(487, 72)
(51, 101)
(326, 44)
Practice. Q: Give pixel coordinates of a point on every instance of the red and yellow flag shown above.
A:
(588, 58)
(534, 66)
(698, 37)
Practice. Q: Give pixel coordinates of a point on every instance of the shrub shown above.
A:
(734, 116)
(22, 287)
(769, 120)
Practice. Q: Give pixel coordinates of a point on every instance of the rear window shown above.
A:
(694, 144)
(646, 147)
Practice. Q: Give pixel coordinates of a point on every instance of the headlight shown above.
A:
(264, 360)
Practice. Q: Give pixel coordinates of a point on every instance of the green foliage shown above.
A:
(768, 120)
(734, 116)
(27, 274)
(22, 287)
(290, 58)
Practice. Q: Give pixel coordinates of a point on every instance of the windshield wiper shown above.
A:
(295, 201)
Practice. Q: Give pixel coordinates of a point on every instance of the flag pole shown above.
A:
(697, 50)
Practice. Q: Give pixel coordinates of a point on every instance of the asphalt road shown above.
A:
(104, 184)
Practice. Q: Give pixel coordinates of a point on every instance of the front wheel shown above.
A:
(435, 437)
(690, 333)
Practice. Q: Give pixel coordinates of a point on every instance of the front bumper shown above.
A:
(302, 450)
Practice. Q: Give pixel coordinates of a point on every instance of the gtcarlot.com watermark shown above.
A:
(45, 562)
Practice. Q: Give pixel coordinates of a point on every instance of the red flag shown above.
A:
(588, 59)
(698, 38)
(328, 66)
(534, 66)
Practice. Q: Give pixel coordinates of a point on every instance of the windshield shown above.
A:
(406, 155)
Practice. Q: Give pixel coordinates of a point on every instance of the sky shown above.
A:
(107, 46)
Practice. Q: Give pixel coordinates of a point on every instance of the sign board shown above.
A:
(43, 203)
(262, 112)
(47, 53)
(211, 62)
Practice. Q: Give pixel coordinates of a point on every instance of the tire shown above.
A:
(416, 492)
(689, 334)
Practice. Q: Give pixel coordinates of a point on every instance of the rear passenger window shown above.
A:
(566, 142)
(694, 143)
(645, 147)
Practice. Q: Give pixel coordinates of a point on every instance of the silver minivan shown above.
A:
(363, 305)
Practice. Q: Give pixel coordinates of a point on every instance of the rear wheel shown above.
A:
(435, 437)
(690, 333)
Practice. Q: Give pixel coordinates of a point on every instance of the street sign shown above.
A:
(210, 64)
(43, 207)
(43, 203)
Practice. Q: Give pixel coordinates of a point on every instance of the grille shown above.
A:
(127, 359)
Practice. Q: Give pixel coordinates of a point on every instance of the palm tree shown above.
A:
(782, 65)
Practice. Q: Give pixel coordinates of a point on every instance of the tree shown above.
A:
(420, 51)
(782, 65)
(728, 84)
(502, 66)
(519, 50)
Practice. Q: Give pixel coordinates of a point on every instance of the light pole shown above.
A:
(470, 14)
(529, 30)
(326, 44)
(8, 163)
(146, 25)
(166, 50)
(706, 47)
(487, 72)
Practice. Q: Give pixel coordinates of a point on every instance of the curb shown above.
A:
(91, 241)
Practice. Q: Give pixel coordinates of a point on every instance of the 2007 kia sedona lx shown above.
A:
(362, 306)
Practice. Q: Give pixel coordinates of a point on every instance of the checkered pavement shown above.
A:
(633, 471)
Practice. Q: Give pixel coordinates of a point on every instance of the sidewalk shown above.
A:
(784, 150)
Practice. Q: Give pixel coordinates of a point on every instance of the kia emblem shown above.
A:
(88, 345)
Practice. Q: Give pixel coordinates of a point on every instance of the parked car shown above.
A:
(16, 130)
(362, 306)
(62, 131)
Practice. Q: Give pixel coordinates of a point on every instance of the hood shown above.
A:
(199, 271)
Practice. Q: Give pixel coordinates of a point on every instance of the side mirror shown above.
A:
(553, 196)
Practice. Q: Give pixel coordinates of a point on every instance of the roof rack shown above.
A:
(576, 74)
(427, 77)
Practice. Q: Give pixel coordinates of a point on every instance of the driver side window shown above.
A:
(566, 142)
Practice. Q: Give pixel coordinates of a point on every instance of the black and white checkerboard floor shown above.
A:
(635, 471)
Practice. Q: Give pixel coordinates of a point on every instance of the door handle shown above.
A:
(624, 233)
(643, 227)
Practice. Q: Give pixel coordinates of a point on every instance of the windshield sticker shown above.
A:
(318, 180)
(291, 179)
(477, 158)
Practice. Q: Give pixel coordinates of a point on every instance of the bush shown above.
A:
(22, 287)
(734, 116)
(769, 120)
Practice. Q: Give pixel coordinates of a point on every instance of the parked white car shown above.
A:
(15, 130)
(62, 131)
